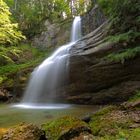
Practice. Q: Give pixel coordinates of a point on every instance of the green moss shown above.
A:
(123, 56)
(58, 127)
(97, 122)
(134, 134)
(108, 122)
(123, 134)
(135, 97)
(111, 123)
(105, 110)
(23, 131)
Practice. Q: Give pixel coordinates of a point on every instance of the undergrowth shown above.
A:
(111, 123)
(126, 54)
(135, 97)
(19, 58)
(129, 36)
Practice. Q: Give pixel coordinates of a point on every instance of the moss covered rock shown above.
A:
(113, 123)
(24, 132)
(65, 128)
(2, 131)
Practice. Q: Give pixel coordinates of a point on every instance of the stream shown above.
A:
(11, 115)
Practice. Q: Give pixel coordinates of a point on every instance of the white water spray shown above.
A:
(51, 73)
(76, 29)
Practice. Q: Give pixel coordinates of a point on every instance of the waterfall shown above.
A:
(52, 72)
(76, 29)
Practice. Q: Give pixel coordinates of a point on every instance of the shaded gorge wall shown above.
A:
(92, 19)
(57, 34)
(53, 34)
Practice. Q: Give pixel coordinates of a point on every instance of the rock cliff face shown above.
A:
(92, 19)
(53, 35)
(93, 79)
(96, 80)
(57, 34)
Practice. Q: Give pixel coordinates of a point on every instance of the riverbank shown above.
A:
(109, 123)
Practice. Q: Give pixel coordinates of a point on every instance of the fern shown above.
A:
(125, 55)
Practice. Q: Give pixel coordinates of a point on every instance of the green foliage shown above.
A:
(22, 57)
(9, 55)
(124, 55)
(30, 14)
(13, 68)
(5, 60)
(135, 97)
(106, 5)
(129, 36)
(9, 33)
(1, 79)
(124, 15)
(124, 27)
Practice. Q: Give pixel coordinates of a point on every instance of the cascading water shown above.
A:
(51, 73)
(76, 29)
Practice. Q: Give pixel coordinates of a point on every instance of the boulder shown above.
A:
(94, 79)
(84, 136)
(52, 35)
(112, 121)
(4, 95)
(24, 132)
(67, 128)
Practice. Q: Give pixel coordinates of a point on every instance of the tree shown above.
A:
(30, 14)
(124, 20)
(9, 32)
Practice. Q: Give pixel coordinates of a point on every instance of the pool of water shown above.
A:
(11, 115)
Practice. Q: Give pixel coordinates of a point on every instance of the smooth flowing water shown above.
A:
(11, 116)
(38, 105)
(50, 74)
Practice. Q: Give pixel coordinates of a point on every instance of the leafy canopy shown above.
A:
(30, 14)
(124, 14)
(9, 33)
